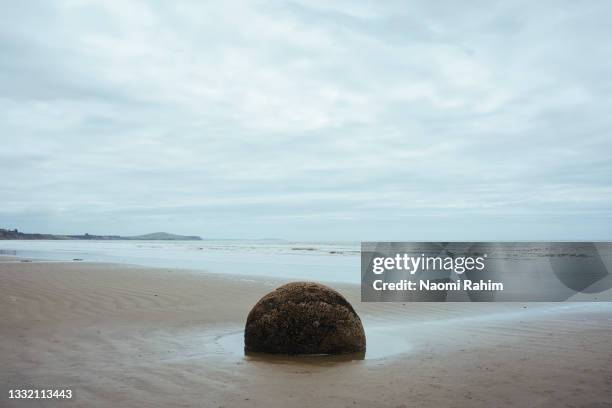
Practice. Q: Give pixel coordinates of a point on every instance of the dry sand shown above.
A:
(122, 336)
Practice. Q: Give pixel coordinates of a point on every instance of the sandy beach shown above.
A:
(142, 337)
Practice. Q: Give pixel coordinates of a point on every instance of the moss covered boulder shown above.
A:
(304, 318)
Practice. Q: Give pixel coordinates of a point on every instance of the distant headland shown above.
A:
(155, 236)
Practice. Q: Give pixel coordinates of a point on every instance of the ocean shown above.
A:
(320, 261)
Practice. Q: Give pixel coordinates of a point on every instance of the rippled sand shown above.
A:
(130, 337)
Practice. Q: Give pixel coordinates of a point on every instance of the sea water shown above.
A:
(320, 261)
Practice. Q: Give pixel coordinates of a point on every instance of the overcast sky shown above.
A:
(308, 120)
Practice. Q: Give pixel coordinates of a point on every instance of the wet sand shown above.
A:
(143, 337)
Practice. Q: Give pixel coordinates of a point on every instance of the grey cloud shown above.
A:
(307, 119)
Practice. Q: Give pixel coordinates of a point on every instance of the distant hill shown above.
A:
(164, 236)
(156, 236)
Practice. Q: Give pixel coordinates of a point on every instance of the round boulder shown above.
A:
(304, 318)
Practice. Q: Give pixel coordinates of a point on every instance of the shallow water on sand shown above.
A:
(226, 344)
(381, 343)
(389, 339)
